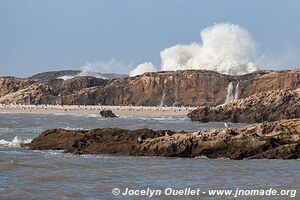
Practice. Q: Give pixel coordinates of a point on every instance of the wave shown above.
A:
(15, 143)
(83, 73)
(225, 48)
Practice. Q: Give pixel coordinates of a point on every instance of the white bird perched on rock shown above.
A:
(139, 139)
(166, 133)
(226, 125)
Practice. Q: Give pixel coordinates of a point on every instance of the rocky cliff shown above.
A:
(266, 106)
(280, 139)
(47, 76)
(9, 85)
(189, 88)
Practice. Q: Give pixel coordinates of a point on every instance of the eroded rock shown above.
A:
(280, 139)
(107, 113)
(187, 88)
(266, 106)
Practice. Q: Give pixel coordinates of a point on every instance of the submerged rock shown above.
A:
(266, 106)
(274, 140)
(107, 113)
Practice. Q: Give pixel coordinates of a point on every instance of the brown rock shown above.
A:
(10, 85)
(266, 106)
(105, 140)
(107, 113)
(280, 139)
(188, 88)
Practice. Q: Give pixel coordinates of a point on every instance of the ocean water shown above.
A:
(26, 174)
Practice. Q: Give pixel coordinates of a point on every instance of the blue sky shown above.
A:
(40, 35)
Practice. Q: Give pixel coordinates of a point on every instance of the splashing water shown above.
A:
(15, 143)
(162, 101)
(225, 48)
(83, 73)
(143, 68)
(236, 96)
(231, 94)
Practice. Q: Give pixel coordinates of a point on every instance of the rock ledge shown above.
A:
(273, 140)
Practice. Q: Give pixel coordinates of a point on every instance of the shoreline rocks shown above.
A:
(107, 113)
(94, 141)
(266, 106)
(272, 140)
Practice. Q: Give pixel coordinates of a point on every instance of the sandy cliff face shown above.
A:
(189, 88)
(36, 93)
(12, 84)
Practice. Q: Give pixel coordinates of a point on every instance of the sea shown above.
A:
(28, 174)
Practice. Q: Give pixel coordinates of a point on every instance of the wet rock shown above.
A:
(268, 140)
(266, 106)
(274, 140)
(95, 141)
(107, 113)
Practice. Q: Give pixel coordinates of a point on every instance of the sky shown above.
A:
(45, 35)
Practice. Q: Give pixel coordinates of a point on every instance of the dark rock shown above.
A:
(274, 140)
(266, 106)
(107, 113)
(52, 75)
(96, 141)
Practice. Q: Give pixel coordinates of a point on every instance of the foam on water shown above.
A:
(15, 143)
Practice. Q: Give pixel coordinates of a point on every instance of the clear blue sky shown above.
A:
(40, 35)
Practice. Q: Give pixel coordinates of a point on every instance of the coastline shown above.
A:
(267, 140)
(142, 111)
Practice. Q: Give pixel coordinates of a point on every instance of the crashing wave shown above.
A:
(225, 48)
(83, 73)
(15, 143)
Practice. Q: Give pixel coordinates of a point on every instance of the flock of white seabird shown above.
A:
(95, 107)
(157, 108)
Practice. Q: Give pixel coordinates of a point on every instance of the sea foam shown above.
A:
(15, 143)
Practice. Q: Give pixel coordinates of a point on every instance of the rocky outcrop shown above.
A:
(266, 106)
(47, 76)
(107, 113)
(96, 141)
(280, 139)
(9, 85)
(26, 92)
(188, 88)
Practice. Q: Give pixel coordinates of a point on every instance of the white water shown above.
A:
(225, 48)
(162, 102)
(236, 96)
(83, 73)
(231, 94)
(15, 143)
(143, 68)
